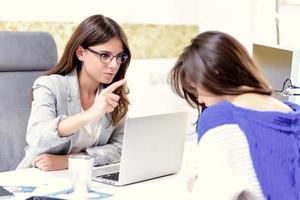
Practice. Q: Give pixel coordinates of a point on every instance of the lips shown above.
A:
(109, 74)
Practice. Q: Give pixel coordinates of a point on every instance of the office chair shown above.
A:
(23, 57)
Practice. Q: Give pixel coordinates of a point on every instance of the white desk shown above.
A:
(168, 187)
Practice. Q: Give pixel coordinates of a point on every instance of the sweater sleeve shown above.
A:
(225, 169)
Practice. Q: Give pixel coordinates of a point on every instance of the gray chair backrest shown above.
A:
(23, 57)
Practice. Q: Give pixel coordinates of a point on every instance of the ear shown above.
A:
(80, 53)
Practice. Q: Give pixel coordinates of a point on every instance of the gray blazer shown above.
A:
(54, 98)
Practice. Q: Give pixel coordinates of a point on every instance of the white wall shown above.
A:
(289, 25)
(126, 11)
(235, 17)
(147, 81)
(265, 24)
(150, 93)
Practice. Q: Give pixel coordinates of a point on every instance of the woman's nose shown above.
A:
(113, 63)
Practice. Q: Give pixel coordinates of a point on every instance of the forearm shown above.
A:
(73, 123)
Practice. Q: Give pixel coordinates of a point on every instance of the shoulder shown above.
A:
(48, 81)
(214, 116)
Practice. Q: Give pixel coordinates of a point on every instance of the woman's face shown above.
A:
(95, 68)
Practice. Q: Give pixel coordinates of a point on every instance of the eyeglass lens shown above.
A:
(106, 57)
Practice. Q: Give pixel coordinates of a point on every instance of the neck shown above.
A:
(259, 102)
(86, 84)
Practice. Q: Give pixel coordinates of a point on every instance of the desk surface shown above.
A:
(167, 187)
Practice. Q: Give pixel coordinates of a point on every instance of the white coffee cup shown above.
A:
(80, 168)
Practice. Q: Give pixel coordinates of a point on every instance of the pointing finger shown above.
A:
(115, 85)
(113, 97)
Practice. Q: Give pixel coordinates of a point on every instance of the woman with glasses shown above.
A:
(248, 141)
(79, 106)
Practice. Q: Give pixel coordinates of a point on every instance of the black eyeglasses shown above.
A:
(106, 56)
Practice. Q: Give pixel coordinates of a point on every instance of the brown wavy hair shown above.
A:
(94, 30)
(220, 64)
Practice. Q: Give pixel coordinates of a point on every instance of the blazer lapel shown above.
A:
(73, 101)
(74, 105)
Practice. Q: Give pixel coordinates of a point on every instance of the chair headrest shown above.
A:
(27, 51)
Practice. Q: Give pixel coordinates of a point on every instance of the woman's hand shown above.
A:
(106, 102)
(50, 162)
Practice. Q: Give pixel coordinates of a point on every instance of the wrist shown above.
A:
(91, 116)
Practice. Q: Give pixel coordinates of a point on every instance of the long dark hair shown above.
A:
(94, 30)
(220, 64)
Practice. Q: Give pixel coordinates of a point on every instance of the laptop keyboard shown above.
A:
(112, 176)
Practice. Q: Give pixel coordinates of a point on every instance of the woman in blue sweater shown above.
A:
(248, 141)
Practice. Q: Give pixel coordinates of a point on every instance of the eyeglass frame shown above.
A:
(100, 53)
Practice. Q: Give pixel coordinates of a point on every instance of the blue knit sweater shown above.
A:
(274, 142)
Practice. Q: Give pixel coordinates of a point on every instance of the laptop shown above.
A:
(152, 147)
